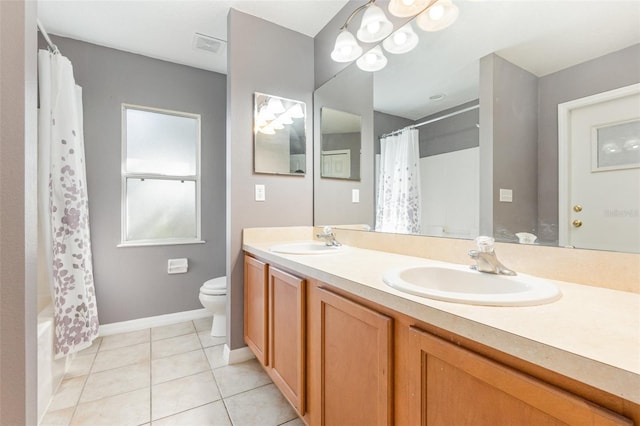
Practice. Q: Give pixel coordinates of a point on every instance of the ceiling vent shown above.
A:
(210, 44)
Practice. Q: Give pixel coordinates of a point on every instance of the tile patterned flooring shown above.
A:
(172, 375)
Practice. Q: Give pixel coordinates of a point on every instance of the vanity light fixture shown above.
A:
(275, 106)
(407, 8)
(438, 16)
(374, 26)
(401, 41)
(373, 60)
(295, 111)
(432, 15)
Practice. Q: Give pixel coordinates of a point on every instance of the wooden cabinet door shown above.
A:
(287, 330)
(454, 386)
(352, 362)
(255, 307)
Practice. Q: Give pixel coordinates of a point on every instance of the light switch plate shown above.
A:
(506, 195)
(355, 195)
(260, 192)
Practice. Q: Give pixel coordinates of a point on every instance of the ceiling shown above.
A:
(165, 29)
(541, 36)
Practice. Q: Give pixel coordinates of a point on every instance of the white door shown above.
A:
(336, 164)
(600, 171)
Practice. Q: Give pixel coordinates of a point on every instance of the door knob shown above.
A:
(577, 223)
(577, 208)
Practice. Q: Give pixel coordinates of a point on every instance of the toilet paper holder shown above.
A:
(177, 266)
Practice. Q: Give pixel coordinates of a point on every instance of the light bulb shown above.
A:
(346, 50)
(400, 38)
(436, 12)
(370, 58)
(373, 27)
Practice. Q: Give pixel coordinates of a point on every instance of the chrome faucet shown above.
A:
(486, 258)
(328, 236)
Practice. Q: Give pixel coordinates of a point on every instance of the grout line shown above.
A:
(75, 407)
(150, 378)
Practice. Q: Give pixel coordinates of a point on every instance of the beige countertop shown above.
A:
(591, 334)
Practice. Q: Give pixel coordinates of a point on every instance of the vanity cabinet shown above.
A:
(350, 362)
(341, 359)
(455, 386)
(275, 326)
(255, 307)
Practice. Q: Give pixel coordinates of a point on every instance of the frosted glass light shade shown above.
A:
(275, 106)
(401, 41)
(346, 48)
(438, 17)
(296, 111)
(407, 8)
(373, 60)
(374, 25)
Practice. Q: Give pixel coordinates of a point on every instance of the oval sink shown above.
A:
(306, 247)
(460, 284)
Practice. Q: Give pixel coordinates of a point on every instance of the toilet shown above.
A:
(213, 296)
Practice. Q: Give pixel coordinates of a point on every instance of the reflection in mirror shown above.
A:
(518, 70)
(279, 135)
(341, 139)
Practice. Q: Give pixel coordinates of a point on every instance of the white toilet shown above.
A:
(213, 296)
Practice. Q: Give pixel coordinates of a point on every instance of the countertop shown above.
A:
(591, 334)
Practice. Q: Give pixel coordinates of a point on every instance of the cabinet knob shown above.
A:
(577, 223)
(577, 208)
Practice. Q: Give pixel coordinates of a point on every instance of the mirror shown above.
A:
(340, 144)
(279, 135)
(518, 70)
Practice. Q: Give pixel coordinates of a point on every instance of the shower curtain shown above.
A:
(398, 196)
(63, 205)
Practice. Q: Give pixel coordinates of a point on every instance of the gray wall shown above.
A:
(513, 106)
(132, 282)
(18, 213)
(351, 91)
(606, 73)
(450, 134)
(262, 57)
(385, 123)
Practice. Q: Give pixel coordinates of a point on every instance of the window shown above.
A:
(160, 176)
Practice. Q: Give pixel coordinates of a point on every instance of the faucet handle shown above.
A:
(327, 229)
(485, 244)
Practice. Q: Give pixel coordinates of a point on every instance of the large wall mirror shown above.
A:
(340, 144)
(485, 101)
(279, 135)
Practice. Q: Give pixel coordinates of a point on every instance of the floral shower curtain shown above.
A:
(398, 196)
(63, 204)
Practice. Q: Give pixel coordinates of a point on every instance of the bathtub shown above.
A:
(50, 370)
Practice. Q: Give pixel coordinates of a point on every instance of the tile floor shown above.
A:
(172, 375)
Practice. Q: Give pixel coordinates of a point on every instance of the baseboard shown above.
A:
(149, 322)
(237, 356)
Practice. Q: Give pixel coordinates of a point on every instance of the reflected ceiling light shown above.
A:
(265, 114)
(285, 118)
(277, 124)
(275, 106)
(373, 60)
(407, 8)
(295, 111)
(438, 16)
(268, 130)
(402, 41)
(374, 26)
(611, 148)
(346, 48)
(632, 144)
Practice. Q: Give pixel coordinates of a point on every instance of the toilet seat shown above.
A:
(215, 287)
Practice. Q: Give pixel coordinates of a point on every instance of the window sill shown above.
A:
(159, 243)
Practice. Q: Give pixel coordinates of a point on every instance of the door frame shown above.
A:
(564, 155)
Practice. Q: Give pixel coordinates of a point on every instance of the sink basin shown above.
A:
(460, 284)
(306, 247)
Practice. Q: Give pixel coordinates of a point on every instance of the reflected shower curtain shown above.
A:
(398, 196)
(63, 204)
